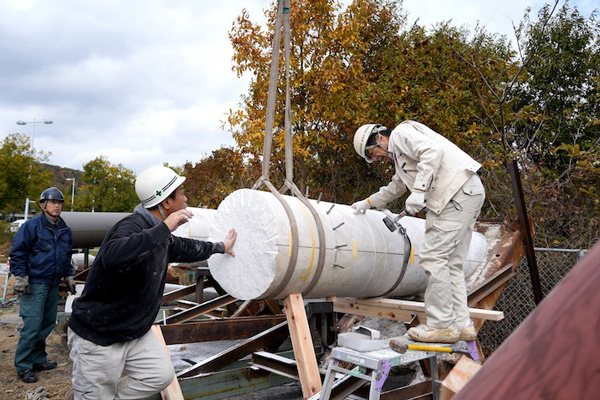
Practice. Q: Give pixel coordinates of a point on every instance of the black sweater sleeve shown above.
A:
(191, 250)
(130, 243)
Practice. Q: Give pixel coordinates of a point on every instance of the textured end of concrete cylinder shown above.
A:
(249, 274)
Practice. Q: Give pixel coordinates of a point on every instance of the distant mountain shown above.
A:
(60, 175)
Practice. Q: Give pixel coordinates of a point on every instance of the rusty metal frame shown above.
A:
(219, 329)
(238, 351)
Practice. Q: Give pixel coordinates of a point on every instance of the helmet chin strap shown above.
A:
(161, 212)
(386, 148)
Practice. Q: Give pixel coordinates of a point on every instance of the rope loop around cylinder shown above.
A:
(321, 231)
(295, 241)
(407, 251)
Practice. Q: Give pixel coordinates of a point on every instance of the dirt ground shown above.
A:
(56, 382)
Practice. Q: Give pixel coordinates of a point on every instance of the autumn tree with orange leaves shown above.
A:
(350, 67)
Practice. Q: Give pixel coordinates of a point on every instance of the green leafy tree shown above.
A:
(545, 113)
(21, 175)
(561, 96)
(561, 87)
(107, 187)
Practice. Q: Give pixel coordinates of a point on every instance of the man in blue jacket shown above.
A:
(114, 351)
(40, 257)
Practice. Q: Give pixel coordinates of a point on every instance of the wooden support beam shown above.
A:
(412, 307)
(374, 311)
(173, 391)
(462, 372)
(306, 359)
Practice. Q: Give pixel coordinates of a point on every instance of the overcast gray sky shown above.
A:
(147, 82)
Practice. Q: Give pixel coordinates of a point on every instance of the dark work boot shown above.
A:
(28, 376)
(45, 366)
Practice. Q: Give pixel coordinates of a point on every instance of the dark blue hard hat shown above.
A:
(52, 193)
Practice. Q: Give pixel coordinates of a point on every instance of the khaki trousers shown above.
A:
(128, 370)
(444, 249)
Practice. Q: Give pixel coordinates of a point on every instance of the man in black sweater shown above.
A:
(115, 354)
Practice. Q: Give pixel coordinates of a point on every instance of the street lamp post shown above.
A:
(34, 122)
(72, 192)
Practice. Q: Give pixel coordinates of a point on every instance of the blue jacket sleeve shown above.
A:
(20, 250)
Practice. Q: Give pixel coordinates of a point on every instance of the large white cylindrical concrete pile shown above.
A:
(362, 257)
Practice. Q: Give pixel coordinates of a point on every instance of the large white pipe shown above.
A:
(198, 227)
(362, 258)
(89, 228)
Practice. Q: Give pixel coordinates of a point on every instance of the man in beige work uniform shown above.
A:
(444, 181)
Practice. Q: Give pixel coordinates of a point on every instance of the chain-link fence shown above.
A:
(517, 300)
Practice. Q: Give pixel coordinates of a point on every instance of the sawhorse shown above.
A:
(373, 367)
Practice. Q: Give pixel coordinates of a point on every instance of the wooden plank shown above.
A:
(306, 359)
(378, 312)
(414, 306)
(462, 372)
(173, 391)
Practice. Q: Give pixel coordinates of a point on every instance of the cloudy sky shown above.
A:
(147, 82)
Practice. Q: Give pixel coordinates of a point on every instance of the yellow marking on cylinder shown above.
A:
(290, 244)
(354, 248)
(411, 260)
(312, 254)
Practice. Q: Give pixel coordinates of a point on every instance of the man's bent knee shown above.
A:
(168, 377)
(162, 379)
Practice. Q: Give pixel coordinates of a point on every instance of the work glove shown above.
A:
(361, 206)
(21, 284)
(71, 287)
(415, 202)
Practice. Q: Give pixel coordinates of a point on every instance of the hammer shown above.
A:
(402, 345)
(391, 220)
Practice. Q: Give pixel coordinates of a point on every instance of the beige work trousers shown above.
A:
(128, 370)
(443, 251)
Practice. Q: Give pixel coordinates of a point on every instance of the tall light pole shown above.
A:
(34, 122)
(72, 192)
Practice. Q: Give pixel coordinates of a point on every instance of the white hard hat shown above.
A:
(155, 184)
(361, 137)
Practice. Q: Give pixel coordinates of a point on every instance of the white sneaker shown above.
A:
(468, 333)
(424, 333)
